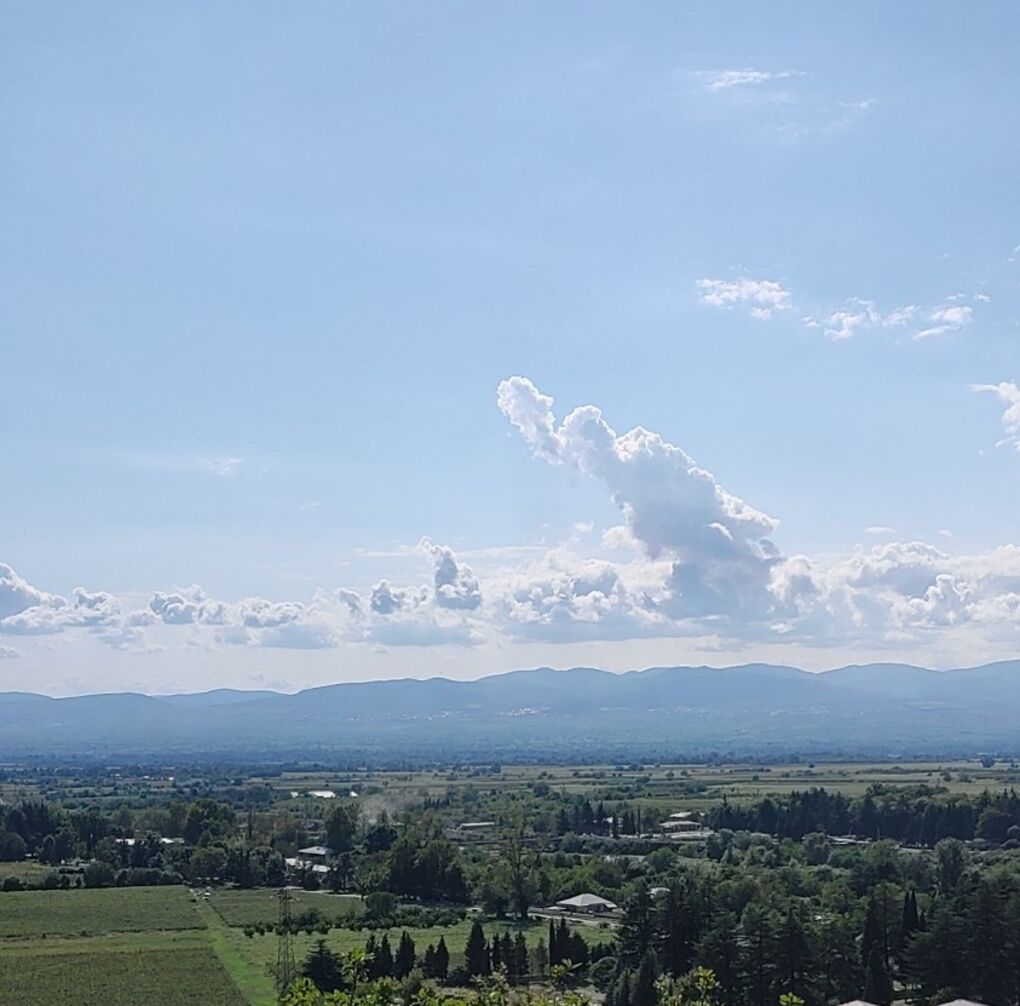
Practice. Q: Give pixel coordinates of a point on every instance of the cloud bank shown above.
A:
(689, 558)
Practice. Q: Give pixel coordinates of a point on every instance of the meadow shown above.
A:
(96, 912)
(117, 976)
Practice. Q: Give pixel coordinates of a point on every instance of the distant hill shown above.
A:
(760, 710)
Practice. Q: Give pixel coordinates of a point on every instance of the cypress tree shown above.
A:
(405, 958)
(540, 957)
(496, 956)
(442, 960)
(384, 966)
(506, 954)
(643, 993)
(520, 957)
(878, 986)
(476, 953)
(620, 995)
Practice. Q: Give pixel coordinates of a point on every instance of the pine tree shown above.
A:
(554, 957)
(442, 963)
(643, 993)
(476, 953)
(496, 953)
(506, 954)
(878, 986)
(637, 929)
(794, 953)
(520, 968)
(384, 958)
(372, 956)
(540, 959)
(428, 963)
(405, 958)
(620, 995)
(322, 967)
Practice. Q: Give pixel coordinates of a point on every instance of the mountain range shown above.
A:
(582, 714)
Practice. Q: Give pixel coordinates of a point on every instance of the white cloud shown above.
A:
(454, 584)
(945, 319)
(17, 594)
(690, 558)
(762, 296)
(1009, 393)
(224, 466)
(718, 547)
(859, 315)
(748, 76)
(7, 653)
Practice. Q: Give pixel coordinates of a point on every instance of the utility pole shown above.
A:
(285, 967)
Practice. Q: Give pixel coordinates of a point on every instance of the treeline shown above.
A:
(919, 815)
(499, 954)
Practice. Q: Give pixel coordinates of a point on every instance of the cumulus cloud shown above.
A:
(762, 296)
(454, 584)
(717, 545)
(17, 594)
(1008, 393)
(858, 315)
(690, 558)
(708, 563)
(945, 319)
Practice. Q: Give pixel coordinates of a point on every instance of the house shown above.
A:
(680, 824)
(589, 904)
(315, 854)
(476, 825)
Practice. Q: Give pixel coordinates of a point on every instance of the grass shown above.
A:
(252, 907)
(256, 954)
(29, 871)
(94, 912)
(118, 977)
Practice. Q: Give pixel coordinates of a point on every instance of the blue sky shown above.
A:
(263, 275)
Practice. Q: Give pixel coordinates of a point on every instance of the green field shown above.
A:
(96, 912)
(115, 976)
(261, 907)
(28, 871)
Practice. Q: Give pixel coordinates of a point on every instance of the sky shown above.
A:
(355, 341)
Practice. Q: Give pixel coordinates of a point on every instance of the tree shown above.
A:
(384, 959)
(523, 870)
(637, 929)
(643, 993)
(405, 957)
(442, 960)
(950, 861)
(322, 968)
(12, 847)
(476, 953)
(342, 825)
(98, 874)
(794, 952)
(878, 985)
(520, 968)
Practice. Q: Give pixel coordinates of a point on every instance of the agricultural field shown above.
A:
(28, 871)
(662, 786)
(116, 976)
(96, 912)
(260, 906)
